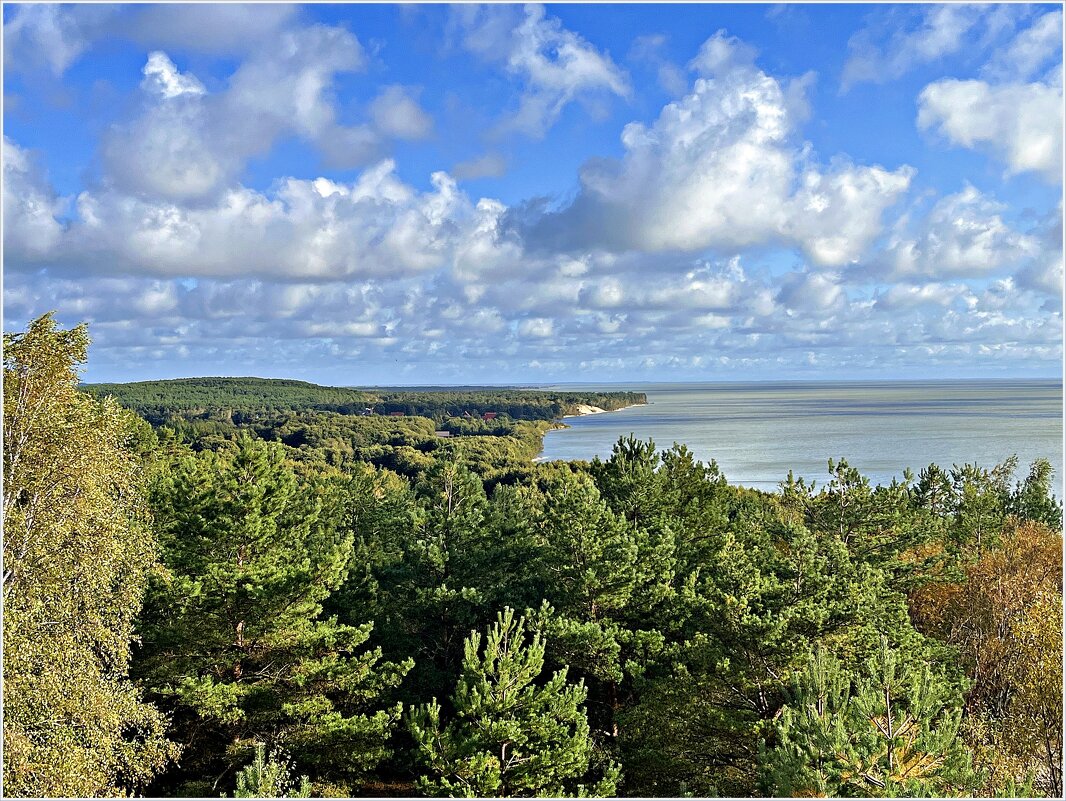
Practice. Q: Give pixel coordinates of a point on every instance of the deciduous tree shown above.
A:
(77, 549)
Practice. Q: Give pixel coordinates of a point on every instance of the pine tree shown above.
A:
(509, 736)
(234, 640)
(1033, 498)
(77, 550)
(428, 591)
(592, 550)
(270, 777)
(891, 730)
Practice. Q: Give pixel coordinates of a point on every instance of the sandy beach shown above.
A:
(585, 408)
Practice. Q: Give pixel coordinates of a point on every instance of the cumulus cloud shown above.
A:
(810, 292)
(318, 230)
(162, 77)
(537, 328)
(963, 235)
(554, 66)
(1044, 274)
(1007, 113)
(31, 207)
(189, 144)
(1020, 124)
(720, 168)
(835, 215)
(715, 315)
(670, 257)
(908, 296)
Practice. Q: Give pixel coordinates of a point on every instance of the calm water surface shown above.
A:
(757, 432)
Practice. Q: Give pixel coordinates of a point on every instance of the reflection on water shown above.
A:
(757, 432)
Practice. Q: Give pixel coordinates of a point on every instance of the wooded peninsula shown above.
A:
(267, 588)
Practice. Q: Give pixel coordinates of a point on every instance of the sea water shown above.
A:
(757, 432)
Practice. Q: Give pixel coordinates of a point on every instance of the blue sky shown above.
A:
(361, 194)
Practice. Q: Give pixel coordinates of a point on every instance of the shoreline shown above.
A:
(585, 409)
(557, 425)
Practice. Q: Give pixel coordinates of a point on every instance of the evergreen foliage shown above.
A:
(234, 642)
(236, 399)
(320, 571)
(270, 777)
(889, 731)
(510, 736)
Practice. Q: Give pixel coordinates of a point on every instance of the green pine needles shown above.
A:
(889, 731)
(508, 736)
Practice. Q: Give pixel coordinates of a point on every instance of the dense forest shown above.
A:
(250, 588)
(243, 399)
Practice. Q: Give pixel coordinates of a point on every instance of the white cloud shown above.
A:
(536, 328)
(914, 37)
(162, 77)
(835, 215)
(49, 37)
(963, 235)
(170, 150)
(598, 319)
(396, 113)
(317, 230)
(555, 66)
(810, 292)
(215, 28)
(30, 207)
(1044, 274)
(1030, 51)
(289, 85)
(1021, 124)
(903, 297)
(190, 145)
(722, 53)
(720, 168)
(372, 270)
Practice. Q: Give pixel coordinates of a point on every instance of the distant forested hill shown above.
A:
(188, 398)
(156, 401)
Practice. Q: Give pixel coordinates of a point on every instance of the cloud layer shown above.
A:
(716, 241)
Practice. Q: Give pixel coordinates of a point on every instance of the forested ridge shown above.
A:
(252, 589)
(161, 402)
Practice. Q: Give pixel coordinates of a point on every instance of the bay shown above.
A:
(757, 432)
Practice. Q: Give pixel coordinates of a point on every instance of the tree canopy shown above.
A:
(260, 590)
